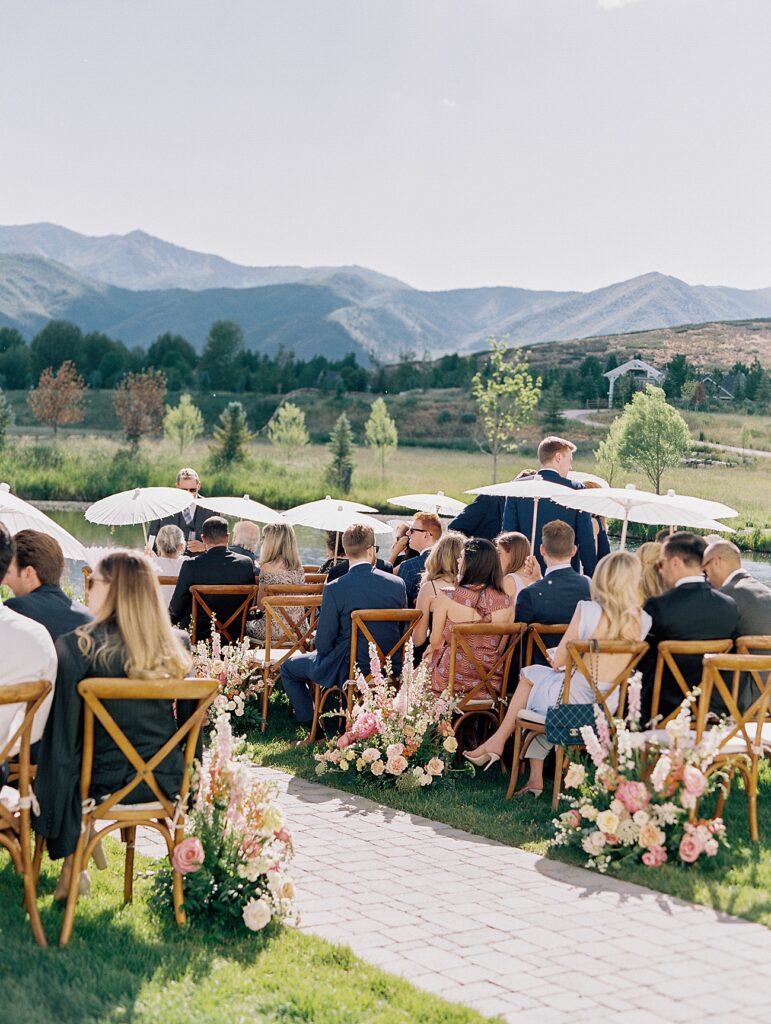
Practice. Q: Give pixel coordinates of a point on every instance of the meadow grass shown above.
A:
(127, 964)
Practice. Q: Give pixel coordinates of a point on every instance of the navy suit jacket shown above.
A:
(216, 567)
(482, 518)
(200, 515)
(341, 568)
(518, 515)
(551, 601)
(51, 607)
(411, 571)
(361, 587)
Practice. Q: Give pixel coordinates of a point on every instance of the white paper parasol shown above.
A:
(534, 487)
(333, 514)
(241, 508)
(140, 505)
(439, 503)
(18, 514)
(587, 478)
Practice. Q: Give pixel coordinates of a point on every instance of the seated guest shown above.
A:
(651, 584)
(215, 567)
(440, 575)
(340, 568)
(170, 545)
(191, 519)
(482, 518)
(27, 655)
(518, 565)
(34, 576)
(129, 636)
(334, 551)
(478, 597)
(553, 599)
(279, 563)
(363, 586)
(424, 531)
(401, 550)
(246, 541)
(613, 613)
(689, 609)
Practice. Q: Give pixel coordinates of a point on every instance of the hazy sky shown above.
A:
(542, 143)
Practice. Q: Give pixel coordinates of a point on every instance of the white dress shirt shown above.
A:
(28, 655)
(690, 579)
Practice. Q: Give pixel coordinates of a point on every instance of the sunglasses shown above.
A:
(91, 580)
(416, 529)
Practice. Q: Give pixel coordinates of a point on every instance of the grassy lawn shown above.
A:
(737, 881)
(124, 964)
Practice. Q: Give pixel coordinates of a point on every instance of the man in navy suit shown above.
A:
(191, 519)
(425, 530)
(482, 518)
(555, 458)
(361, 587)
(553, 599)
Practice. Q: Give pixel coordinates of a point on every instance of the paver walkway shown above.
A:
(508, 932)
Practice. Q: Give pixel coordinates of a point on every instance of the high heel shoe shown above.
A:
(529, 789)
(99, 857)
(484, 760)
(63, 885)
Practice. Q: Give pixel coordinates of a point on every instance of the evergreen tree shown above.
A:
(552, 405)
(340, 469)
(231, 436)
(6, 419)
(381, 433)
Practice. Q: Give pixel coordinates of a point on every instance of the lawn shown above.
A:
(737, 881)
(126, 964)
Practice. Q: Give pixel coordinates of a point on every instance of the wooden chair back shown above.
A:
(234, 626)
(15, 831)
(752, 644)
(360, 623)
(281, 630)
(536, 632)
(311, 568)
(485, 691)
(292, 589)
(584, 659)
(315, 577)
(167, 581)
(666, 655)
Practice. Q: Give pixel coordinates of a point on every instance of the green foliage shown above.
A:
(287, 430)
(679, 371)
(221, 351)
(607, 453)
(339, 473)
(183, 423)
(381, 434)
(506, 395)
(651, 436)
(231, 436)
(6, 419)
(552, 405)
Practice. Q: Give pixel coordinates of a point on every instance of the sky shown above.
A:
(557, 144)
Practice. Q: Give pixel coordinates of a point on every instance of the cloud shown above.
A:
(450, 104)
(608, 5)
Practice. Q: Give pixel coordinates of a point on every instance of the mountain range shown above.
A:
(135, 287)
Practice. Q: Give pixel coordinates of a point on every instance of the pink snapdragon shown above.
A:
(634, 698)
(601, 727)
(593, 746)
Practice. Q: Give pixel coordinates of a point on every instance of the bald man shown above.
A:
(722, 565)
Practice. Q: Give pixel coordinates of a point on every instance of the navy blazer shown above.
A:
(482, 518)
(551, 601)
(200, 515)
(518, 515)
(361, 587)
(341, 568)
(411, 572)
(216, 567)
(51, 607)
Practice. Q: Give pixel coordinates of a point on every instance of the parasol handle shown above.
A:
(535, 521)
(337, 544)
(623, 529)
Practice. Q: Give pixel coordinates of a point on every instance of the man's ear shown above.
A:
(574, 552)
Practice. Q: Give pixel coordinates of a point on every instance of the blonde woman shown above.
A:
(518, 566)
(614, 613)
(129, 636)
(279, 563)
(440, 574)
(651, 583)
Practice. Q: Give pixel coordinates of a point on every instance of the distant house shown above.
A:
(723, 392)
(643, 373)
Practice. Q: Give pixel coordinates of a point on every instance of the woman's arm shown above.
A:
(423, 604)
(510, 586)
(560, 657)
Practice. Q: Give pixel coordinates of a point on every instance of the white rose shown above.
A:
(588, 812)
(575, 776)
(617, 807)
(641, 817)
(607, 821)
(593, 843)
(256, 914)
(450, 744)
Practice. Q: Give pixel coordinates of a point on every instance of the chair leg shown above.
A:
(559, 761)
(72, 896)
(265, 701)
(30, 883)
(37, 860)
(751, 783)
(515, 762)
(318, 700)
(128, 869)
(179, 899)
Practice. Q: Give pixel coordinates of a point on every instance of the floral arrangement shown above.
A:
(235, 860)
(235, 667)
(635, 800)
(398, 734)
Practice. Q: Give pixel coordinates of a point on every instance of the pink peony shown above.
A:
(690, 849)
(366, 725)
(654, 857)
(188, 856)
(633, 795)
(694, 780)
(344, 741)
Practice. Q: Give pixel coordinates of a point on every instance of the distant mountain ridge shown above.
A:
(135, 287)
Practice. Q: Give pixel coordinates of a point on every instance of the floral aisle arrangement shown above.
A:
(634, 801)
(399, 735)
(235, 667)
(236, 858)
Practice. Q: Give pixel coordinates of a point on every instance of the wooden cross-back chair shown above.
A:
(315, 578)
(234, 626)
(536, 632)
(112, 812)
(487, 697)
(311, 568)
(15, 832)
(291, 589)
(583, 658)
(666, 657)
(284, 637)
(753, 644)
(360, 621)
(747, 739)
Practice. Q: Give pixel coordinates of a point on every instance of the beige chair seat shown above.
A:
(153, 807)
(735, 745)
(276, 654)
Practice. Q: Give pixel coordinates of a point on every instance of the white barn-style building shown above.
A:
(642, 372)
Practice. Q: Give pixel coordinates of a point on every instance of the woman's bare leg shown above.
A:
(494, 744)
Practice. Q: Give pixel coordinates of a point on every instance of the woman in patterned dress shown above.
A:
(279, 563)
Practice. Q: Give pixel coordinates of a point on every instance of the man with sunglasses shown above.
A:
(424, 531)
(190, 520)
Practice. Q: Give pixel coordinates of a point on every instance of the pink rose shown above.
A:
(573, 818)
(188, 856)
(396, 764)
(655, 856)
(633, 795)
(395, 750)
(694, 780)
(690, 849)
(344, 741)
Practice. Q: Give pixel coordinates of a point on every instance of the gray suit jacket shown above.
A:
(753, 599)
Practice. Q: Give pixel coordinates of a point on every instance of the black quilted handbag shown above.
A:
(565, 721)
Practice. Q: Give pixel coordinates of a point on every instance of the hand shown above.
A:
(195, 546)
(531, 569)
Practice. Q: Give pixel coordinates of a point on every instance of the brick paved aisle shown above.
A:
(508, 932)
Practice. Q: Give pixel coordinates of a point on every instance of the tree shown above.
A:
(58, 397)
(175, 356)
(653, 437)
(14, 359)
(6, 419)
(381, 434)
(607, 452)
(138, 402)
(679, 371)
(340, 469)
(183, 423)
(506, 395)
(59, 342)
(231, 436)
(551, 409)
(287, 429)
(221, 351)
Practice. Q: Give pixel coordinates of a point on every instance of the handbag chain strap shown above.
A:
(594, 648)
